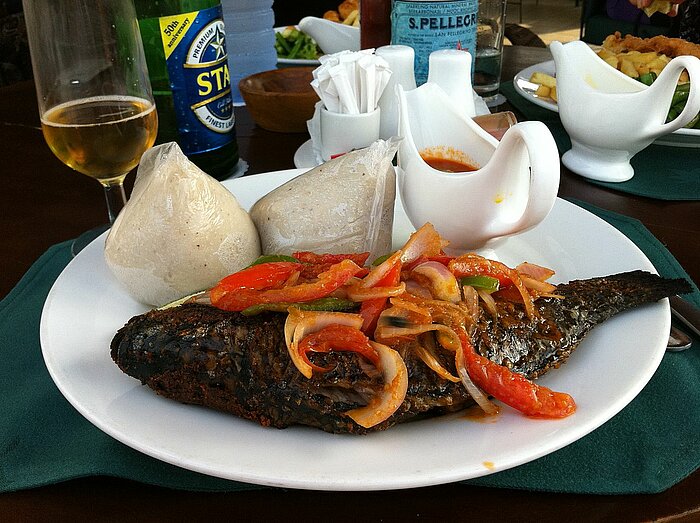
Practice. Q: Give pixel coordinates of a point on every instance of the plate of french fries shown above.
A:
(538, 84)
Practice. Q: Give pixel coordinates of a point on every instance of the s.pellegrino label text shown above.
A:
(428, 26)
(195, 53)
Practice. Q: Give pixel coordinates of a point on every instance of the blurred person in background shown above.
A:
(687, 18)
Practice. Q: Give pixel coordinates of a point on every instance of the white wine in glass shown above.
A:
(97, 110)
(100, 136)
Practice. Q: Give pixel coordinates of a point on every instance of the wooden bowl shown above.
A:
(280, 100)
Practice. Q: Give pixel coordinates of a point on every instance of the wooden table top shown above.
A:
(44, 202)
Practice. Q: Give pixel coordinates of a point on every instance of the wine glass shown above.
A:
(97, 110)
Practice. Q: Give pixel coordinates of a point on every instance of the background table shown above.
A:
(43, 202)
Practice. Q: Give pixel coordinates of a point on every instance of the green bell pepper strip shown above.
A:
(485, 283)
(381, 259)
(322, 304)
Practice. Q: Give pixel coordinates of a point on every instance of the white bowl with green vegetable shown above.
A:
(294, 47)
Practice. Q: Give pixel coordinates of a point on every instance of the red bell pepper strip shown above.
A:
(337, 337)
(475, 265)
(512, 388)
(371, 309)
(261, 276)
(238, 299)
(509, 294)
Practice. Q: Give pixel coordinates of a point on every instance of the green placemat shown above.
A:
(43, 439)
(660, 172)
(652, 444)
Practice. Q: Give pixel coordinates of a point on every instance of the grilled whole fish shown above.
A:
(201, 355)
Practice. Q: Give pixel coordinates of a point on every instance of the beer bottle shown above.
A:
(184, 43)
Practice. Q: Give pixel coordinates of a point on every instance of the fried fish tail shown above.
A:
(533, 348)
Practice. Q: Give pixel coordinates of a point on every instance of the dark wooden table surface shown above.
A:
(43, 202)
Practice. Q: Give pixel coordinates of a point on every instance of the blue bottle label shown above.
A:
(430, 26)
(195, 52)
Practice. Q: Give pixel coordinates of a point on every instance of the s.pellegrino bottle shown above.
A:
(430, 25)
(185, 46)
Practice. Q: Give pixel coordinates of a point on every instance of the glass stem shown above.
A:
(116, 199)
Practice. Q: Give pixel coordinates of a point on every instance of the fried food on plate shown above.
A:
(671, 47)
(348, 13)
(333, 16)
(636, 64)
(347, 7)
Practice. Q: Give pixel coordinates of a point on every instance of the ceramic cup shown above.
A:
(341, 133)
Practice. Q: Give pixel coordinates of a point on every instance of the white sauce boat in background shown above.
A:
(331, 37)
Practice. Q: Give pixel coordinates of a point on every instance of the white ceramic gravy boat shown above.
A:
(513, 189)
(609, 116)
(331, 37)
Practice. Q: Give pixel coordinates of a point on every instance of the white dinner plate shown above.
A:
(293, 61)
(86, 307)
(525, 88)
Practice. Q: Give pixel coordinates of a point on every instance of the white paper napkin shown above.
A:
(351, 82)
(348, 82)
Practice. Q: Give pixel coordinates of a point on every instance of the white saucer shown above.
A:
(304, 157)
